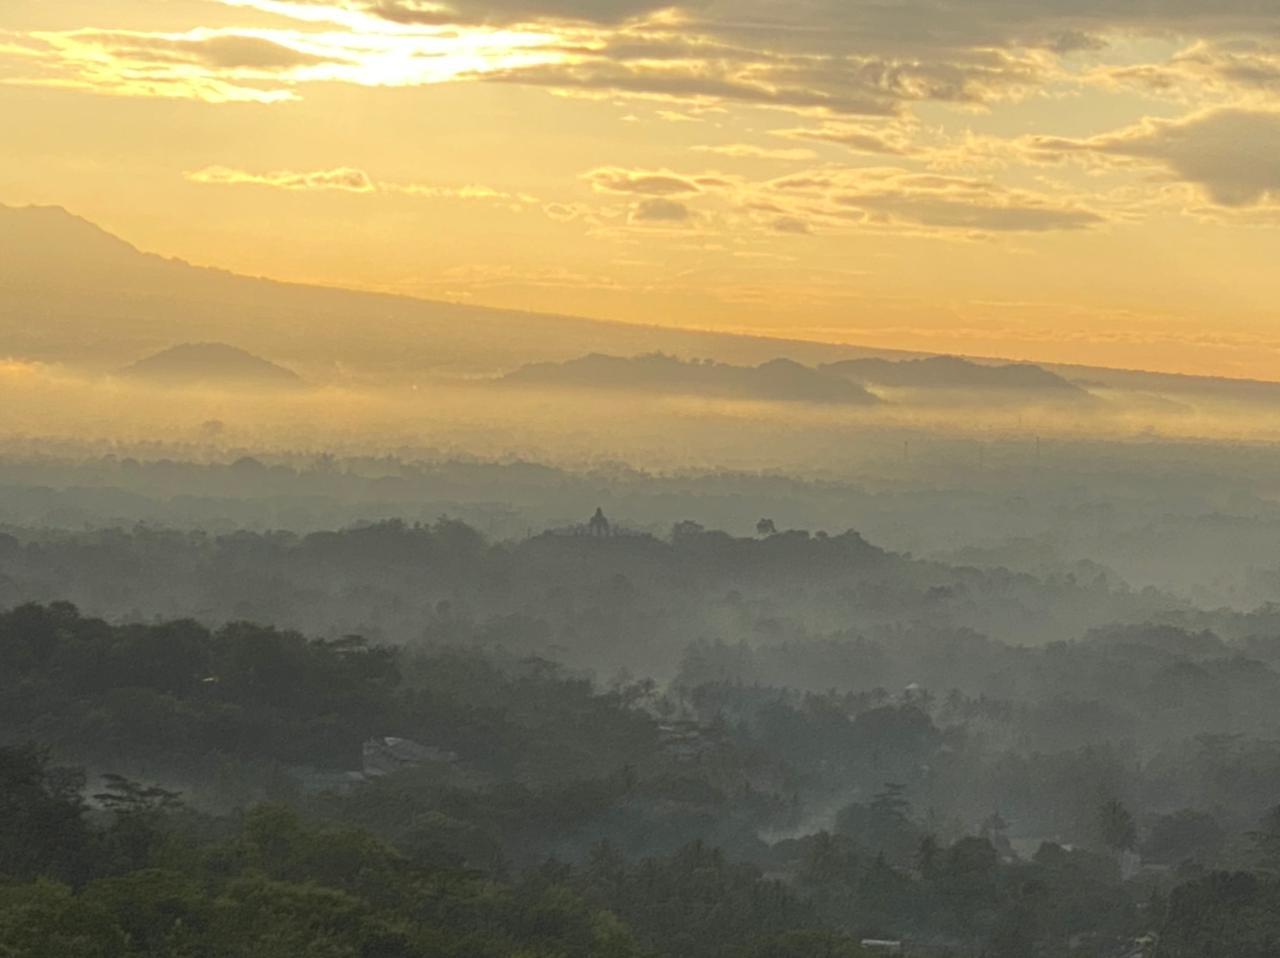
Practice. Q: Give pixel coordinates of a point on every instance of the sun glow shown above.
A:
(268, 65)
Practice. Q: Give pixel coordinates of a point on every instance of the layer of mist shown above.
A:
(341, 624)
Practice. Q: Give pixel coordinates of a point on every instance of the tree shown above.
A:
(686, 530)
(883, 826)
(42, 827)
(45, 920)
(138, 827)
(1187, 835)
(1223, 914)
(766, 527)
(1116, 827)
(967, 879)
(162, 912)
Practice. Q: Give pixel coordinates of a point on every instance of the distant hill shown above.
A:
(778, 380)
(73, 293)
(211, 364)
(952, 372)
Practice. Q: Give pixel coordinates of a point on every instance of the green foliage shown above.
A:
(182, 697)
(1224, 915)
(180, 693)
(449, 858)
(46, 920)
(282, 887)
(42, 830)
(695, 902)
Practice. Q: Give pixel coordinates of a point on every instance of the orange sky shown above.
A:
(1071, 180)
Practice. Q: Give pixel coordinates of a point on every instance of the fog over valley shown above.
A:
(583, 479)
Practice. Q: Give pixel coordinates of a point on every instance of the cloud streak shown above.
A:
(844, 199)
(343, 179)
(350, 180)
(1233, 155)
(798, 83)
(645, 182)
(893, 197)
(656, 209)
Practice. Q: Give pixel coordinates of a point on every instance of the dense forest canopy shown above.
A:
(835, 754)
(383, 707)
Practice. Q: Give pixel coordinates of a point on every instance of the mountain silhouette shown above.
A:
(73, 293)
(778, 380)
(39, 241)
(952, 372)
(211, 364)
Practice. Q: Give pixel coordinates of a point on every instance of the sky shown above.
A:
(1091, 181)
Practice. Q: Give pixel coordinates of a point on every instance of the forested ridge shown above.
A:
(172, 789)
(629, 600)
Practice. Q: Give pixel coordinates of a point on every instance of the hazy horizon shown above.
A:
(779, 337)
